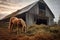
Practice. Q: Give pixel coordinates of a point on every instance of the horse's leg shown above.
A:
(11, 30)
(10, 25)
(17, 29)
(24, 29)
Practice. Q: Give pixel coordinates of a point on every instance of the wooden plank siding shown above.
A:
(31, 14)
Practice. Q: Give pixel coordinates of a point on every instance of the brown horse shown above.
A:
(17, 23)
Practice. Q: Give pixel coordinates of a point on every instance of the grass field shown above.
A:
(34, 32)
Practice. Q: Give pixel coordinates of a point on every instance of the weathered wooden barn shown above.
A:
(46, 13)
(32, 11)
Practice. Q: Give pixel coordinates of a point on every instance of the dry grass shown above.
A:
(34, 32)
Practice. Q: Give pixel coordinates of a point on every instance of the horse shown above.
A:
(18, 22)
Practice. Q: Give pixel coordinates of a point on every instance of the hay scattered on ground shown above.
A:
(34, 32)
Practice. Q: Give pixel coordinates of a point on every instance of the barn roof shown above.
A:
(49, 9)
(8, 8)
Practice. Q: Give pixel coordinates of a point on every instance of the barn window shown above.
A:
(41, 5)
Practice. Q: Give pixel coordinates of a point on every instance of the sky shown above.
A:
(7, 7)
(54, 5)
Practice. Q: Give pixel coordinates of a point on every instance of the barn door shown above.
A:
(41, 21)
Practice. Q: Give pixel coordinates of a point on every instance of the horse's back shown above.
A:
(14, 19)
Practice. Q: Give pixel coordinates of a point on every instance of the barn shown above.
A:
(31, 11)
(45, 13)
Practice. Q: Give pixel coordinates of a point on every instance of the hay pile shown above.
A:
(53, 31)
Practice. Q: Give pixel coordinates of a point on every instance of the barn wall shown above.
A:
(34, 9)
(30, 14)
(29, 19)
(48, 14)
